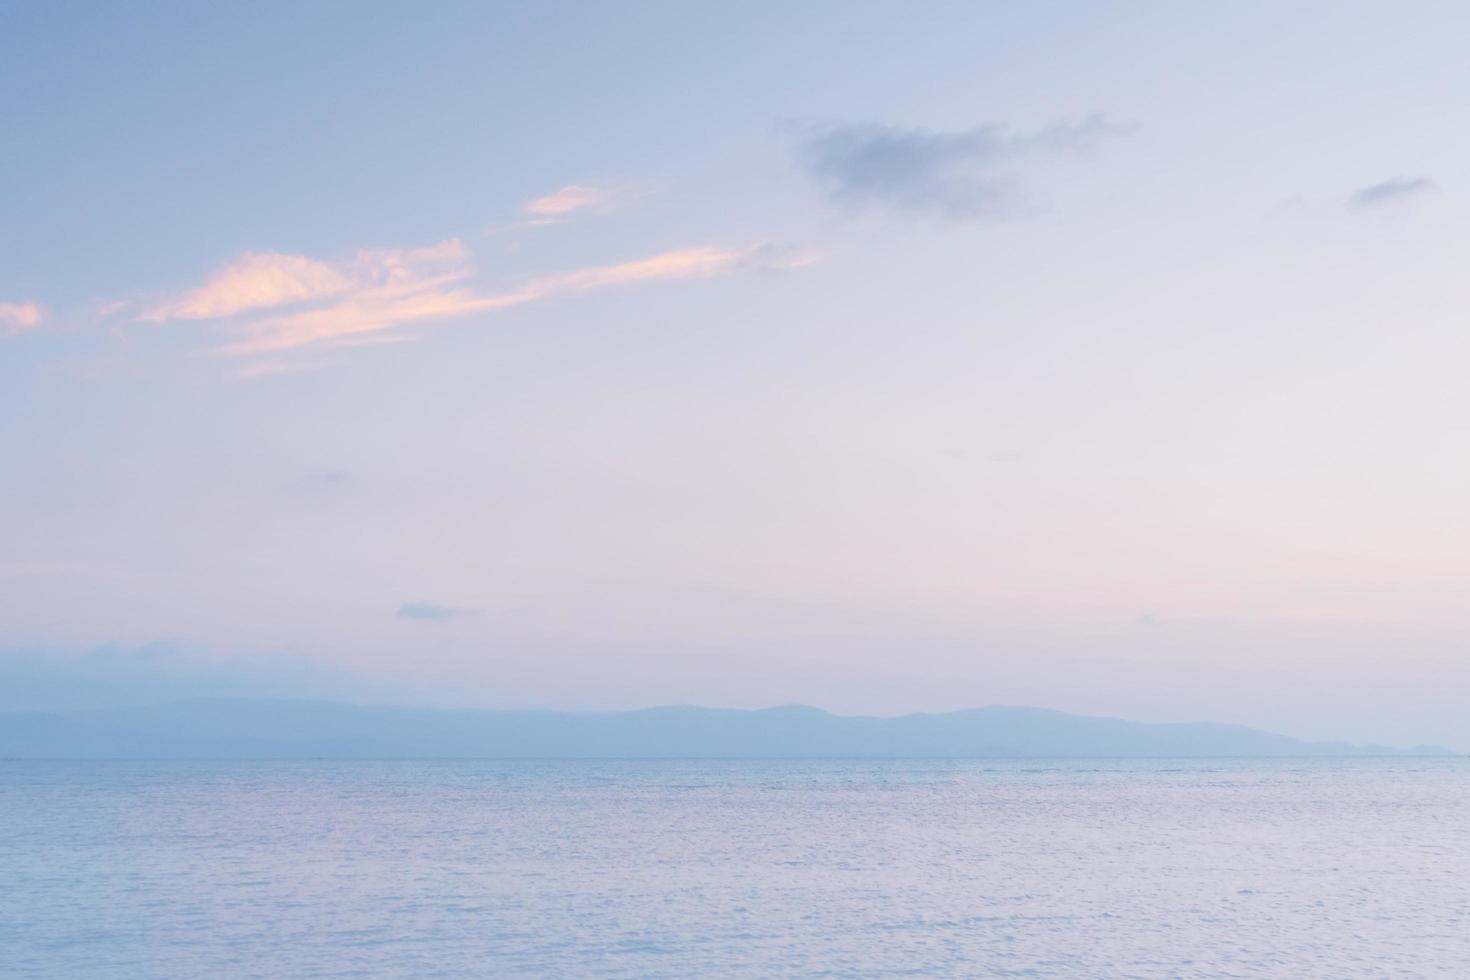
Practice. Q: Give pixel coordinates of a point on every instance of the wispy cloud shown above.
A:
(254, 281)
(258, 281)
(569, 202)
(17, 318)
(1390, 191)
(958, 175)
(570, 199)
(427, 612)
(279, 303)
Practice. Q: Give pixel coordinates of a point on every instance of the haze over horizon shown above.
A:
(1104, 359)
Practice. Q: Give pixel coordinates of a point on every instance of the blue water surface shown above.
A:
(1234, 868)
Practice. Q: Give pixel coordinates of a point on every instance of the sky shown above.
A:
(882, 357)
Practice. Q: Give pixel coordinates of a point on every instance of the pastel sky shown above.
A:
(883, 357)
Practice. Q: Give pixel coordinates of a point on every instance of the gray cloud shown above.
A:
(430, 613)
(1390, 191)
(958, 175)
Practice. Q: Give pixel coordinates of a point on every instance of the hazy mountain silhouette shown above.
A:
(310, 729)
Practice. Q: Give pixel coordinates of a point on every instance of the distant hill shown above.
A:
(319, 729)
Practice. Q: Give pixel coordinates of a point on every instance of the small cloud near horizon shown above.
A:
(1390, 191)
(428, 612)
(955, 175)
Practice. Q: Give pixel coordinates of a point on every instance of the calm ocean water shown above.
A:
(1336, 868)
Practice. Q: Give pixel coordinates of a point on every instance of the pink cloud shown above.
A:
(269, 279)
(409, 300)
(572, 198)
(571, 201)
(17, 318)
(254, 281)
(275, 303)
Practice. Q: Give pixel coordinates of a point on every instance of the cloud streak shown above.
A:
(19, 318)
(567, 203)
(254, 281)
(427, 612)
(1390, 191)
(258, 281)
(961, 175)
(278, 303)
(570, 199)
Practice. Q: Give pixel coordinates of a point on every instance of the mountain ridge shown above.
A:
(252, 728)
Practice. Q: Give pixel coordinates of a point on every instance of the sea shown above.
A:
(1338, 868)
